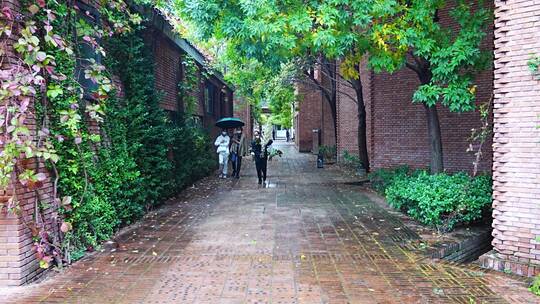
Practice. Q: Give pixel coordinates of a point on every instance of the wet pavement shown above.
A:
(309, 236)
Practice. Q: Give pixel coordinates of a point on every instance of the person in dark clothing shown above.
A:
(260, 153)
(288, 135)
(273, 134)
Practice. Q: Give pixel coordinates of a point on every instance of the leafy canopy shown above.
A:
(408, 33)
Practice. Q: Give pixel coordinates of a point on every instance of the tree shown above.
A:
(445, 58)
(319, 33)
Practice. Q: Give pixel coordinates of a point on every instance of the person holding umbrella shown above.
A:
(222, 144)
(223, 141)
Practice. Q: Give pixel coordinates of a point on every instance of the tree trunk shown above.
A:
(362, 130)
(435, 143)
(436, 164)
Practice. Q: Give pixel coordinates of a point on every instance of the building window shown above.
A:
(209, 96)
(88, 20)
(225, 102)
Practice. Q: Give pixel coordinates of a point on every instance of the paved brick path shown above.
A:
(306, 238)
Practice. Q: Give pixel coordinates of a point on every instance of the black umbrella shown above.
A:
(229, 123)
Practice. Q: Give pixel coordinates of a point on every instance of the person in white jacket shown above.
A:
(222, 144)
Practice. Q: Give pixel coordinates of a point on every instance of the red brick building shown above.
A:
(242, 110)
(516, 140)
(313, 118)
(397, 131)
(214, 97)
(396, 128)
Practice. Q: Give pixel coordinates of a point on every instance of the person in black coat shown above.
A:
(260, 154)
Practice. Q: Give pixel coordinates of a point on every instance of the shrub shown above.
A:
(535, 286)
(194, 157)
(328, 152)
(114, 180)
(441, 200)
(380, 179)
(351, 159)
(93, 221)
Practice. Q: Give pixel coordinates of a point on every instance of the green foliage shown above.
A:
(93, 221)
(382, 178)
(535, 286)
(534, 66)
(148, 131)
(351, 159)
(448, 57)
(189, 85)
(328, 152)
(258, 39)
(193, 154)
(440, 200)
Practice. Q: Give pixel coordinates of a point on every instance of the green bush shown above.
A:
(380, 179)
(93, 221)
(535, 286)
(328, 152)
(194, 156)
(113, 181)
(351, 159)
(441, 200)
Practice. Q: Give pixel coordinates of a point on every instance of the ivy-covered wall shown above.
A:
(85, 152)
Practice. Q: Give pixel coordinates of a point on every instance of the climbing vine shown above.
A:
(41, 85)
(189, 85)
(534, 66)
(105, 155)
(479, 136)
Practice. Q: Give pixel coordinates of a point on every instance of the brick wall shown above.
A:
(242, 110)
(328, 130)
(397, 128)
(223, 104)
(309, 116)
(314, 112)
(347, 109)
(18, 263)
(516, 146)
(167, 70)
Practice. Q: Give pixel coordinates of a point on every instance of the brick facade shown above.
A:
(516, 146)
(308, 117)
(167, 70)
(397, 128)
(347, 117)
(242, 110)
(313, 113)
(18, 263)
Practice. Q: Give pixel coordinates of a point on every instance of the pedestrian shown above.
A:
(273, 134)
(222, 144)
(260, 154)
(239, 149)
(288, 135)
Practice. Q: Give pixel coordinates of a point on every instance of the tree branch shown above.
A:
(413, 67)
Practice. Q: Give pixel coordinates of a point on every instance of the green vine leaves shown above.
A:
(534, 66)
(31, 42)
